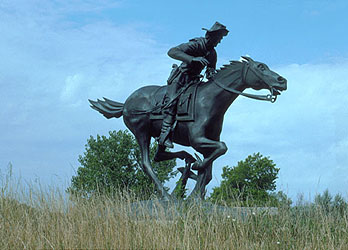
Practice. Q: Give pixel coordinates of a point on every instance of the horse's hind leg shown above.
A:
(144, 143)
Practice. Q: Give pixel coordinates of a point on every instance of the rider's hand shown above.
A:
(209, 73)
(200, 60)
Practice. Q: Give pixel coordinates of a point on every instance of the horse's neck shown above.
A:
(220, 98)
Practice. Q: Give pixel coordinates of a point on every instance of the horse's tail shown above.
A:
(108, 108)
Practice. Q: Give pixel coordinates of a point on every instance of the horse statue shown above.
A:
(209, 102)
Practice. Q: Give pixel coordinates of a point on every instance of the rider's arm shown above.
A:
(185, 52)
(180, 52)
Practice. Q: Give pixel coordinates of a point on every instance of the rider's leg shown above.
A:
(165, 138)
(169, 117)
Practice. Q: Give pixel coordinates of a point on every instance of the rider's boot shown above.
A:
(165, 136)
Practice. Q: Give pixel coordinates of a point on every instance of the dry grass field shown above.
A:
(44, 219)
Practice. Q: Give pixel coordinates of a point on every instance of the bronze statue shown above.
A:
(195, 55)
(200, 112)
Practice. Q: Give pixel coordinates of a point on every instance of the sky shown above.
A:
(55, 55)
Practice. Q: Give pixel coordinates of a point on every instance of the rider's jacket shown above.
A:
(194, 48)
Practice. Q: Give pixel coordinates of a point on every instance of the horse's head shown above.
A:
(257, 75)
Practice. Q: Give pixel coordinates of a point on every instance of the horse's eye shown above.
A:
(261, 67)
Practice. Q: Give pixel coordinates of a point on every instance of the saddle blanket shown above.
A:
(185, 105)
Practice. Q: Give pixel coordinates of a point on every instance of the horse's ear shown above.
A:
(246, 58)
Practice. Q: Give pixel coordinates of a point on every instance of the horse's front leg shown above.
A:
(162, 155)
(210, 149)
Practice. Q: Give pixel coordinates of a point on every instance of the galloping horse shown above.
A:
(213, 98)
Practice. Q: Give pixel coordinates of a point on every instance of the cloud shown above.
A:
(51, 64)
(72, 85)
(339, 150)
(50, 67)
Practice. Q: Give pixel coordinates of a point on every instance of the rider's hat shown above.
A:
(216, 28)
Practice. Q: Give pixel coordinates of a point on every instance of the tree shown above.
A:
(324, 201)
(250, 182)
(329, 204)
(114, 163)
(339, 205)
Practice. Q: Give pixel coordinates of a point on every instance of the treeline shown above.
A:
(326, 202)
(112, 163)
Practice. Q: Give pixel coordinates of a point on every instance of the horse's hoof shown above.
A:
(197, 166)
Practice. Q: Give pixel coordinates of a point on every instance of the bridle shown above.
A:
(246, 67)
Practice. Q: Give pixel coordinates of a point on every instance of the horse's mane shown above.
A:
(227, 70)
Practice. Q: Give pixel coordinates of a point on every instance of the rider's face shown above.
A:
(214, 39)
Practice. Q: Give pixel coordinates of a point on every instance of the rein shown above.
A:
(270, 97)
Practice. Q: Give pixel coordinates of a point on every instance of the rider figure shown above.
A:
(195, 55)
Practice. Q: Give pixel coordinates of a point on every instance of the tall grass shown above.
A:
(36, 218)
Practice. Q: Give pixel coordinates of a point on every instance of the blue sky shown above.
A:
(56, 55)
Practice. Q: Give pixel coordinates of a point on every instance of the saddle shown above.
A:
(185, 104)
